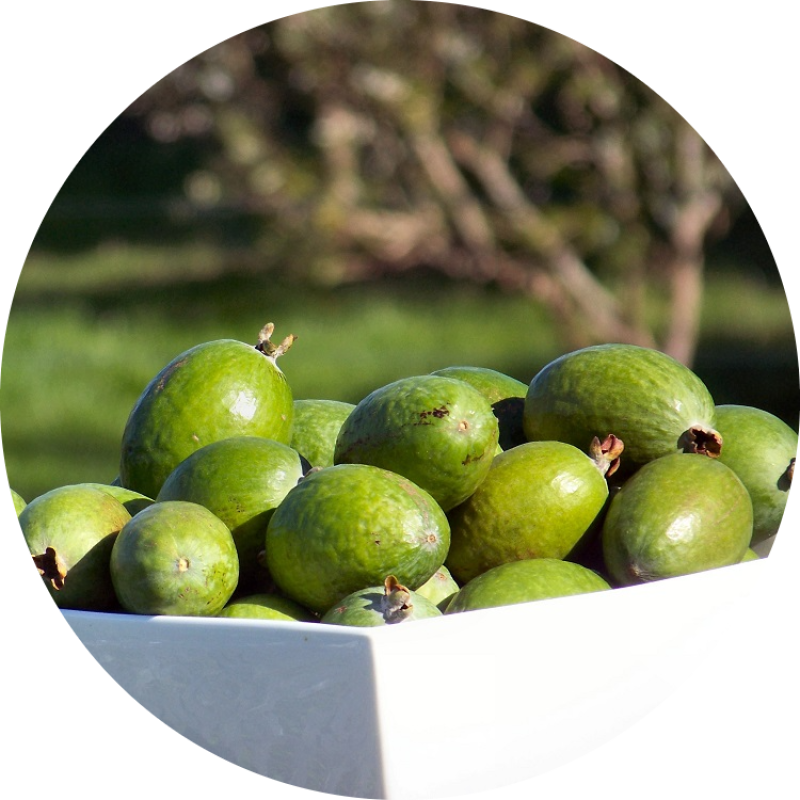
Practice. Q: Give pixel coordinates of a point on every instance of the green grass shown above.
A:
(86, 334)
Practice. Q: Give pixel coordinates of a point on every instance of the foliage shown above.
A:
(384, 136)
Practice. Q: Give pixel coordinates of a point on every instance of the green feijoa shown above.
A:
(315, 428)
(677, 515)
(655, 404)
(70, 532)
(19, 501)
(438, 432)
(506, 394)
(524, 582)
(381, 605)
(761, 449)
(241, 480)
(439, 588)
(538, 500)
(267, 606)
(750, 555)
(349, 526)
(210, 392)
(175, 558)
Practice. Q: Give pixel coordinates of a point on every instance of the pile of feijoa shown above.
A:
(435, 494)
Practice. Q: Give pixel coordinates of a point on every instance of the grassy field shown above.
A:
(86, 334)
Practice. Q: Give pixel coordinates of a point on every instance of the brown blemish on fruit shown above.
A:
(701, 440)
(162, 381)
(436, 413)
(51, 568)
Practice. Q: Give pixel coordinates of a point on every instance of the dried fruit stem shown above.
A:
(395, 601)
(698, 439)
(606, 454)
(266, 346)
(51, 568)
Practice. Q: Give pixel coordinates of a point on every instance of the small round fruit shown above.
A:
(506, 394)
(438, 432)
(524, 582)
(19, 502)
(348, 526)
(677, 515)
(70, 532)
(381, 605)
(174, 558)
(315, 428)
(241, 480)
(538, 500)
(655, 404)
(267, 606)
(761, 449)
(210, 392)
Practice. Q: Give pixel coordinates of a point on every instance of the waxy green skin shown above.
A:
(133, 501)
(524, 582)
(315, 428)
(347, 527)
(506, 394)
(81, 524)
(438, 432)
(267, 606)
(538, 501)
(440, 588)
(646, 398)
(759, 447)
(174, 558)
(241, 480)
(362, 609)
(210, 392)
(678, 515)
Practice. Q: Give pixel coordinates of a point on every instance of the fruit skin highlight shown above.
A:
(347, 527)
(678, 515)
(655, 404)
(210, 392)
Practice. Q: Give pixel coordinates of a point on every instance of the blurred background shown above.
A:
(404, 186)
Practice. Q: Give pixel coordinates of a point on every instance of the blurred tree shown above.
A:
(385, 136)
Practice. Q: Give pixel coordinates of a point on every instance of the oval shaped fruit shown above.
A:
(761, 449)
(538, 501)
(438, 432)
(315, 428)
(655, 404)
(349, 526)
(210, 392)
(174, 558)
(241, 480)
(506, 395)
(70, 532)
(267, 606)
(677, 515)
(524, 582)
(19, 501)
(381, 605)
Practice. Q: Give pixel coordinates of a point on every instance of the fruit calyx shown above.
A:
(395, 603)
(606, 454)
(267, 347)
(702, 440)
(51, 568)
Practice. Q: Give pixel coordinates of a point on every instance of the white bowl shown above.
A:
(443, 706)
